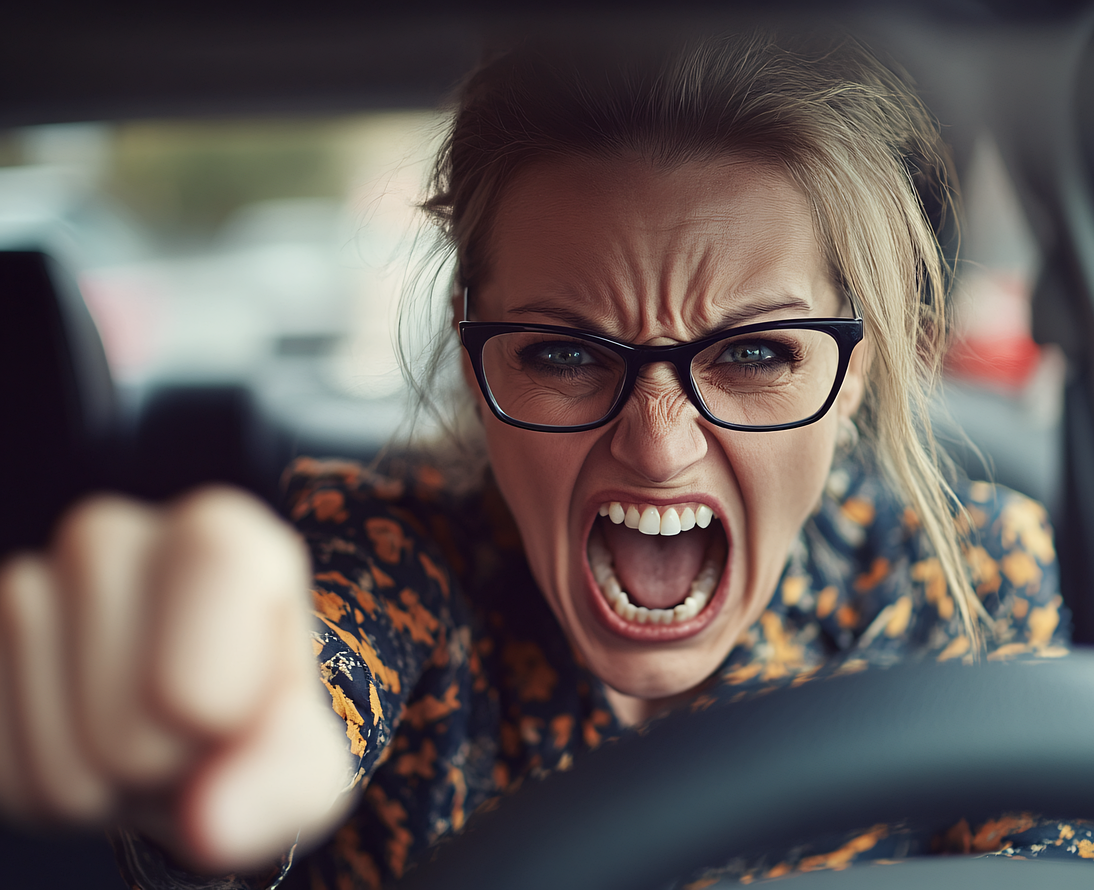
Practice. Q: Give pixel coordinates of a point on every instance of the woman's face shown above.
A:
(658, 257)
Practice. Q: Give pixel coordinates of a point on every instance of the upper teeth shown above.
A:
(653, 521)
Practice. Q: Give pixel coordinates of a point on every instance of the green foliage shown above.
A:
(11, 149)
(185, 179)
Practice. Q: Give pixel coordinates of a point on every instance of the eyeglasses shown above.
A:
(771, 376)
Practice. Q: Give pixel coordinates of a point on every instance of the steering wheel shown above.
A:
(928, 743)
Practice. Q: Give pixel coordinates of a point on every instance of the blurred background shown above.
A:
(266, 252)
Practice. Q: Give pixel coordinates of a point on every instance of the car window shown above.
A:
(264, 252)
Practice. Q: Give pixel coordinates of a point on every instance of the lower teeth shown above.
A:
(600, 561)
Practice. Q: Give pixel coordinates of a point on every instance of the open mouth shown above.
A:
(657, 565)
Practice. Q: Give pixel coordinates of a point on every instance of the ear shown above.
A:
(854, 382)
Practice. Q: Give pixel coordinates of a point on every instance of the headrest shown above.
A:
(57, 404)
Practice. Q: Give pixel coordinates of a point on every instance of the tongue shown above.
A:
(655, 571)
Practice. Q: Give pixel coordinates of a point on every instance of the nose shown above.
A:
(658, 435)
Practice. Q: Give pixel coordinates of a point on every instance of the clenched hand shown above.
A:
(156, 670)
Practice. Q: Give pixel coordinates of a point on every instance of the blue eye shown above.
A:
(748, 353)
(567, 355)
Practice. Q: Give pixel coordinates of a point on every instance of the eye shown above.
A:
(748, 353)
(564, 354)
(561, 355)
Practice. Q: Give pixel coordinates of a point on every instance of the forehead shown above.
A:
(695, 244)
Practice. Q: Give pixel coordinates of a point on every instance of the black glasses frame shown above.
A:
(847, 332)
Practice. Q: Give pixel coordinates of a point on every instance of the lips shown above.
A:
(656, 567)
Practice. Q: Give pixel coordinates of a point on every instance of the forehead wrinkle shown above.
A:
(704, 289)
(692, 267)
(778, 274)
(668, 256)
(606, 281)
(674, 292)
(697, 308)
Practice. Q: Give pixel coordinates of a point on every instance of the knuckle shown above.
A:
(218, 503)
(221, 519)
(95, 534)
(233, 528)
(91, 520)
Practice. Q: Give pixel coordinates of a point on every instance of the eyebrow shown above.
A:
(731, 319)
(561, 313)
(764, 306)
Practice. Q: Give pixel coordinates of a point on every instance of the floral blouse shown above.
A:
(456, 683)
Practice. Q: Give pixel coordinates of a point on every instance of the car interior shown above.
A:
(1010, 82)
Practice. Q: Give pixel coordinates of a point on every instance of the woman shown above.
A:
(687, 280)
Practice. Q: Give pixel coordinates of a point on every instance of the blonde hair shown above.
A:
(848, 129)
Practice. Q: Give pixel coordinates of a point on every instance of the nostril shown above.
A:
(658, 451)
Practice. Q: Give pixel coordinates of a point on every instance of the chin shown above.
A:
(655, 684)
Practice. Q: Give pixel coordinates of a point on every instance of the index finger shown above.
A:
(229, 582)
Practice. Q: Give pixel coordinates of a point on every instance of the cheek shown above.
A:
(533, 473)
(781, 477)
(536, 474)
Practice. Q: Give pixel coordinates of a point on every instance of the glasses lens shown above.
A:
(551, 379)
(767, 378)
